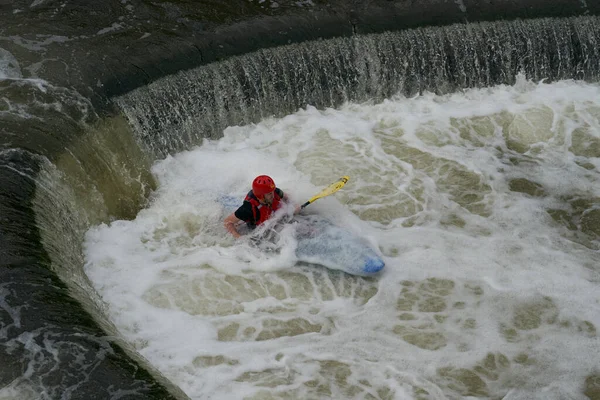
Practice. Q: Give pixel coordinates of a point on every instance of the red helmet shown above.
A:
(262, 185)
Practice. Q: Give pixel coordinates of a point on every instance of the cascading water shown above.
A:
(178, 111)
(466, 195)
(483, 202)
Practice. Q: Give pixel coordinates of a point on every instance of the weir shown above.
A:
(69, 162)
(177, 111)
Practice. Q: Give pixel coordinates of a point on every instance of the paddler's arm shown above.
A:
(230, 224)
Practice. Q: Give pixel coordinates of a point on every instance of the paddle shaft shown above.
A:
(331, 189)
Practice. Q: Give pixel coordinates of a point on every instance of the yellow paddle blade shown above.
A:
(331, 189)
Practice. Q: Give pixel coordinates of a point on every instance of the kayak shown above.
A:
(322, 242)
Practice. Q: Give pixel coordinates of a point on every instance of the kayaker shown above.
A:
(258, 206)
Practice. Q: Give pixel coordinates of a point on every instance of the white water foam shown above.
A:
(9, 66)
(484, 293)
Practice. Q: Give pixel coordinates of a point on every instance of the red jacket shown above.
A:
(262, 212)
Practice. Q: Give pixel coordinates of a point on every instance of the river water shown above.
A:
(484, 204)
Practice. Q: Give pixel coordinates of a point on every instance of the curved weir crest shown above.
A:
(176, 112)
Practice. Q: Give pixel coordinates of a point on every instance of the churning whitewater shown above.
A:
(485, 205)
